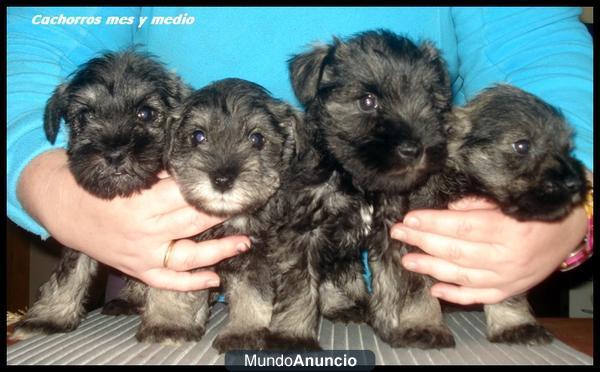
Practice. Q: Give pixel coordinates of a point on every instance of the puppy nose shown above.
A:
(409, 150)
(223, 179)
(115, 157)
(573, 184)
(222, 183)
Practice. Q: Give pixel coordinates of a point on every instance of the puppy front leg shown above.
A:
(130, 301)
(401, 310)
(60, 306)
(295, 309)
(512, 322)
(421, 319)
(171, 317)
(250, 308)
(386, 299)
(344, 297)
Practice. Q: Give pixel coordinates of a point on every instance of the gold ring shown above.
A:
(168, 254)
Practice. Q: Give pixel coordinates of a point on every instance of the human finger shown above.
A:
(467, 296)
(460, 252)
(472, 202)
(186, 254)
(163, 174)
(181, 281)
(449, 272)
(472, 225)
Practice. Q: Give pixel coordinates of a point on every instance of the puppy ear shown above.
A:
(55, 111)
(457, 126)
(177, 90)
(306, 72)
(457, 123)
(172, 126)
(442, 92)
(291, 121)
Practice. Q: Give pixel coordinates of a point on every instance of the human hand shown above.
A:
(130, 234)
(482, 255)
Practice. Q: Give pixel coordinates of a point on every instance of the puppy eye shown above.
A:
(521, 147)
(257, 139)
(86, 115)
(198, 137)
(145, 114)
(368, 102)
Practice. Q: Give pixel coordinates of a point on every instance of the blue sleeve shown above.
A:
(39, 57)
(545, 51)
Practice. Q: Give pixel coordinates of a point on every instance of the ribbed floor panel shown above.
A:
(104, 339)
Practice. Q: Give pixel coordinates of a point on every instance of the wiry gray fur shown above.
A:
(111, 152)
(283, 195)
(544, 183)
(386, 150)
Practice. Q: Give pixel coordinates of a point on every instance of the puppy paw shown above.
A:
(281, 341)
(254, 340)
(527, 334)
(119, 307)
(420, 337)
(355, 314)
(27, 328)
(167, 334)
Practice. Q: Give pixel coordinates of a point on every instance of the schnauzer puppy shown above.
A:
(230, 150)
(116, 107)
(514, 149)
(238, 152)
(378, 102)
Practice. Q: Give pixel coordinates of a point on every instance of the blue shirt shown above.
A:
(546, 51)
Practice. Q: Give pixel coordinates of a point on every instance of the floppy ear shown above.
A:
(306, 71)
(177, 90)
(442, 92)
(55, 111)
(291, 121)
(457, 123)
(173, 124)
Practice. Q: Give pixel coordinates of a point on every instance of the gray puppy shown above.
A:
(378, 101)
(116, 107)
(511, 147)
(230, 150)
(238, 152)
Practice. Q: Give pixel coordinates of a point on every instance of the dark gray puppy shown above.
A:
(230, 150)
(116, 107)
(511, 147)
(238, 152)
(378, 101)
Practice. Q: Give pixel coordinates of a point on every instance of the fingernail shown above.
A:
(242, 247)
(212, 283)
(398, 234)
(411, 265)
(436, 293)
(411, 221)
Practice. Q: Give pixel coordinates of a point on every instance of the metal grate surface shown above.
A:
(110, 340)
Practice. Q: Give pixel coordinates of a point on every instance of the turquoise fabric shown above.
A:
(546, 51)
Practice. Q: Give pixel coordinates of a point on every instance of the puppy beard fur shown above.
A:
(376, 167)
(93, 173)
(250, 191)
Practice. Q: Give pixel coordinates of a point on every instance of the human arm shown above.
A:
(130, 234)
